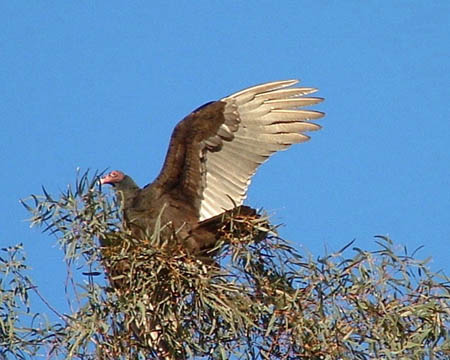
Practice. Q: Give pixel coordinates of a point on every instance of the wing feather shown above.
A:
(264, 119)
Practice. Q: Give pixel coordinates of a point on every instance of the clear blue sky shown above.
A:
(97, 84)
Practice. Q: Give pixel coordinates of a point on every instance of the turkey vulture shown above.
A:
(213, 153)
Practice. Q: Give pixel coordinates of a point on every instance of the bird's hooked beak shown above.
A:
(105, 180)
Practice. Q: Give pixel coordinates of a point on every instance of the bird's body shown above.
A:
(213, 153)
(142, 212)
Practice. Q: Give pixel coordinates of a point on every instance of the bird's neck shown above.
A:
(126, 192)
(126, 196)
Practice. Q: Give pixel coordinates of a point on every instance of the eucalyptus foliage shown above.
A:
(259, 298)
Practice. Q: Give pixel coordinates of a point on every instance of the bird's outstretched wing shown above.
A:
(216, 149)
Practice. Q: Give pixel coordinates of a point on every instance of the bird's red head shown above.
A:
(114, 177)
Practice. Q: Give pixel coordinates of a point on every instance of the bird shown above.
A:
(213, 154)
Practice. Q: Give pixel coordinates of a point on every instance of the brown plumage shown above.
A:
(212, 155)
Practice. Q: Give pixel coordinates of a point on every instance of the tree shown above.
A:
(259, 299)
